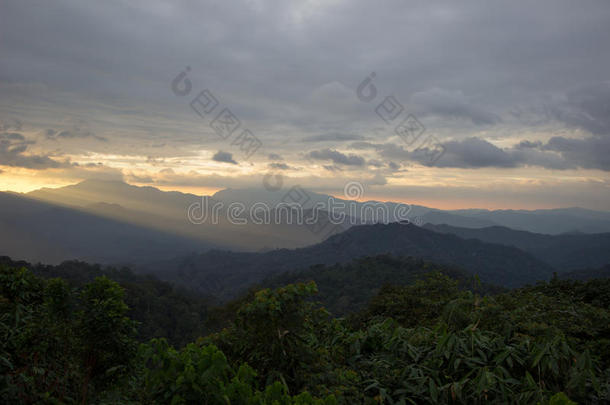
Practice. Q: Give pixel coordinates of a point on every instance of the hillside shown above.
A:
(588, 274)
(348, 288)
(564, 252)
(427, 342)
(226, 273)
(160, 308)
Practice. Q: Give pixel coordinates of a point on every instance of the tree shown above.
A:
(107, 335)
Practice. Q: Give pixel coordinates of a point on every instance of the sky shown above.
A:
(469, 104)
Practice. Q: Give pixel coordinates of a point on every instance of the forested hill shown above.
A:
(564, 252)
(227, 273)
(428, 342)
(160, 308)
(588, 274)
(347, 288)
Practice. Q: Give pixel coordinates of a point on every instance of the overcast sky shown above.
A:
(504, 105)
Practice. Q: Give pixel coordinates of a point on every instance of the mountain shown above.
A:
(224, 274)
(148, 209)
(548, 221)
(359, 212)
(444, 217)
(588, 274)
(169, 211)
(564, 252)
(39, 231)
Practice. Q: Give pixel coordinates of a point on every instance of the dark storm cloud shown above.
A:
(224, 157)
(13, 148)
(294, 65)
(337, 157)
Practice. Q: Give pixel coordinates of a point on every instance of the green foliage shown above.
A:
(201, 374)
(160, 309)
(107, 335)
(275, 332)
(467, 366)
(59, 343)
(347, 288)
(427, 342)
(419, 304)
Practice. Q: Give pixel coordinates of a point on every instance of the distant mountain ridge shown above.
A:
(168, 211)
(564, 252)
(41, 232)
(226, 273)
(547, 221)
(177, 244)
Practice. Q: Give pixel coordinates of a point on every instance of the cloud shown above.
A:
(393, 166)
(332, 168)
(364, 145)
(528, 145)
(279, 166)
(73, 134)
(587, 107)
(588, 153)
(468, 64)
(335, 137)
(139, 179)
(155, 161)
(558, 153)
(224, 157)
(474, 153)
(377, 180)
(12, 153)
(275, 156)
(454, 104)
(11, 124)
(337, 157)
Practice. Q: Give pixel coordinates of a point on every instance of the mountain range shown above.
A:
(113, 222)
(226, 273)
(564, 252)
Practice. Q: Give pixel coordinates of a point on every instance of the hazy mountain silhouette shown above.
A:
(547, 221)
(564, 252)
(39, 231)
(167, 211)
(225, 273)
